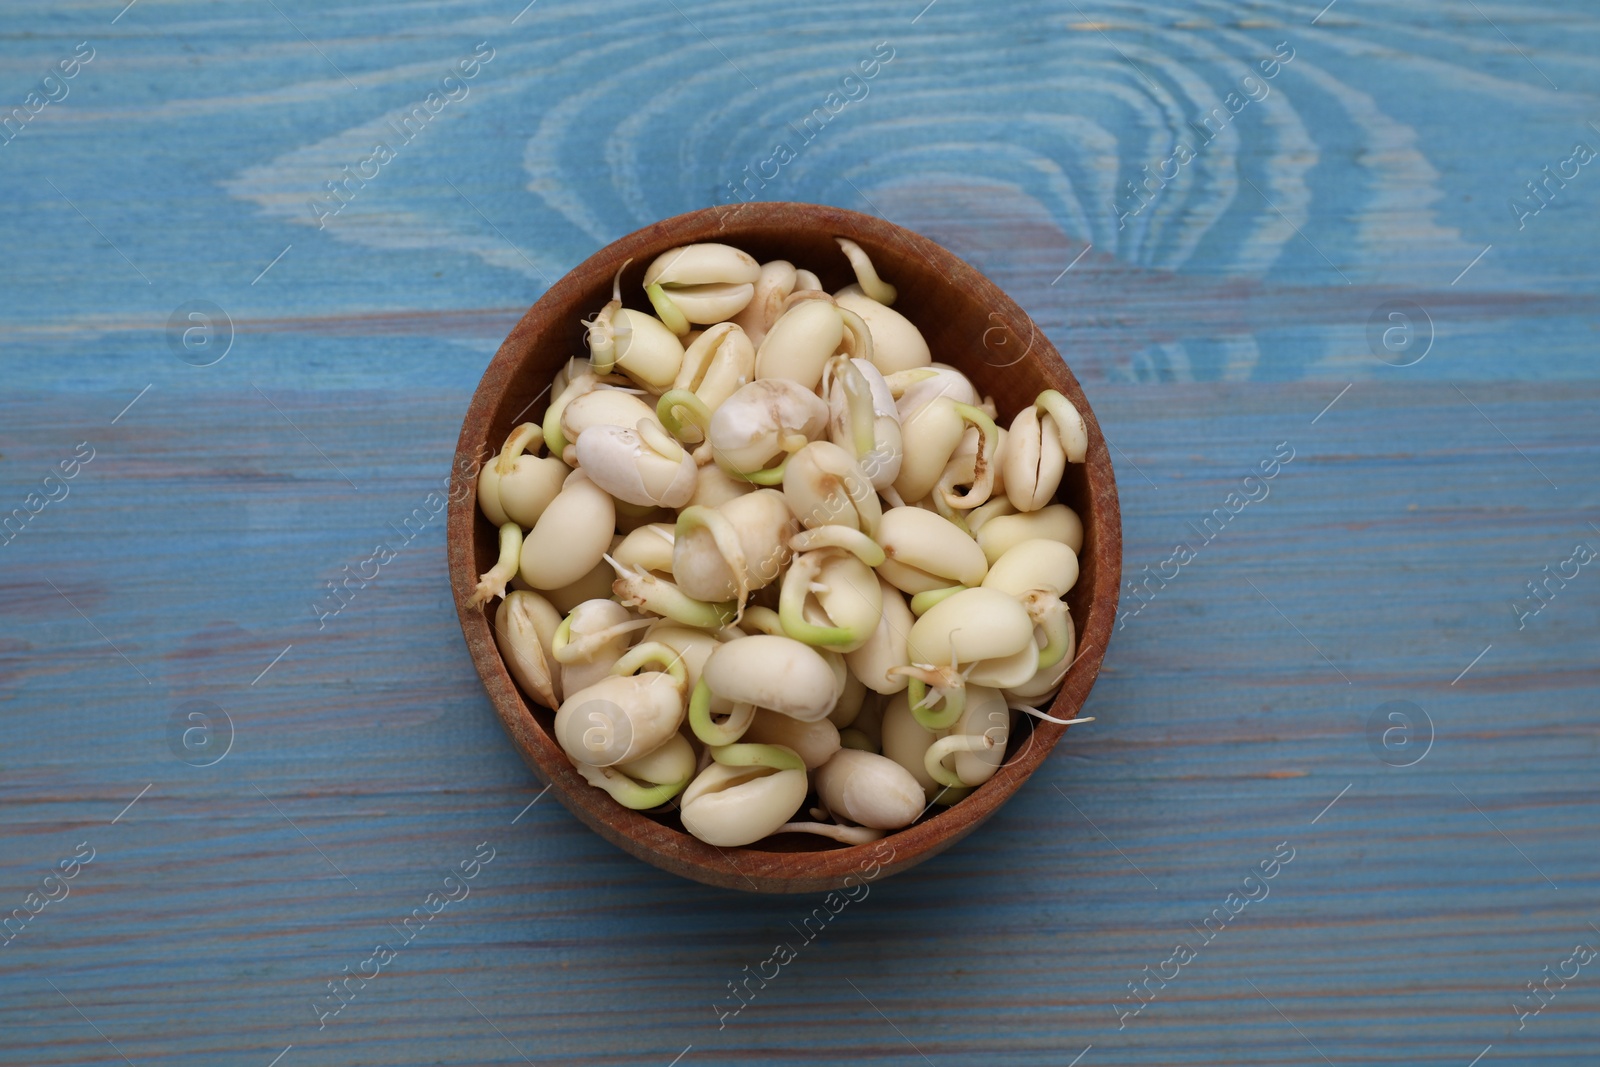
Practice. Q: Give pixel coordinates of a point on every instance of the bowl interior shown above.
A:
(970, 324)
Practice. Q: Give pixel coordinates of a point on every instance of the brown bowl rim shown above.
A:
(663, 846)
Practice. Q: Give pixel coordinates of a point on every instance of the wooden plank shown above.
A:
(1382, 565)
(1223, 733)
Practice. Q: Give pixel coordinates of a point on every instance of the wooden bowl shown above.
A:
(970, 324)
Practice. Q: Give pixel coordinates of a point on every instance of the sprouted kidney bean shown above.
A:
(832, 575)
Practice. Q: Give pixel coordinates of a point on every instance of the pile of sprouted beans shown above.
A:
(762, 547)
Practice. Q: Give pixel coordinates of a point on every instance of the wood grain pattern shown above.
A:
(1219, 322)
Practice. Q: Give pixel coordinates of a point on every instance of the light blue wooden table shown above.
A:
(222, 384)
